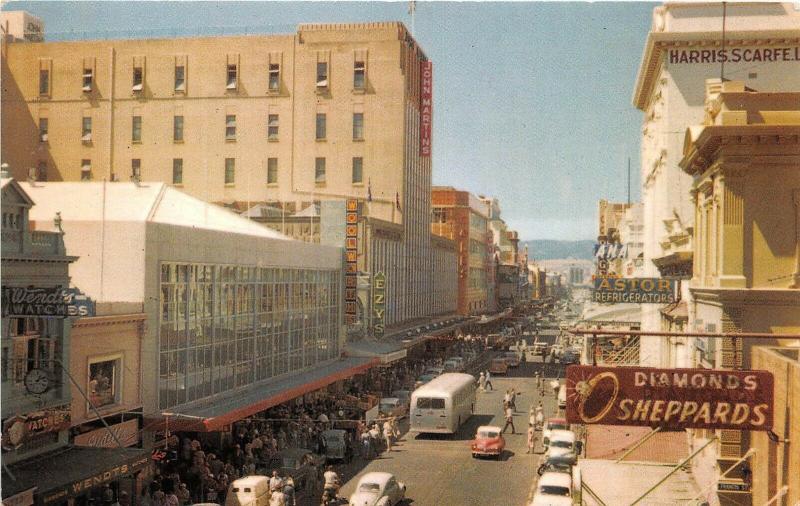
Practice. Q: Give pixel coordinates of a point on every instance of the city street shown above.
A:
(440, 470)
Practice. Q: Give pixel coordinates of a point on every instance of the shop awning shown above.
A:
(71, 471)
(489, 319)
(386, 351)
(212, 415)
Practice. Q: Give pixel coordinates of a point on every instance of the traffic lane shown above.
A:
(439, 470)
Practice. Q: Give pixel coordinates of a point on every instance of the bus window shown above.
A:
(437, 403)
(424, 403)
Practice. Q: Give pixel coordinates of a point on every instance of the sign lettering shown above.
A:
(351, 261)
(17, 430)
(426, 108)
(636, 290)
(670, 398)
(735, 55)
(378, 304)
(46, 302)
(126, 432)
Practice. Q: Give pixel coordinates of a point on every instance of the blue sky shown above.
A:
(532, 100)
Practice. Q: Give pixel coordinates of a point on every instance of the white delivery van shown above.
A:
(249, 491)
(562, 397)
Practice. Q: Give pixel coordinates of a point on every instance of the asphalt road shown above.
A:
(440, 471)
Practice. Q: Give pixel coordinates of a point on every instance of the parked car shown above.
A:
(512, 358)
(297, 463)
(498, 366)
(338, 446)
(425, 378)
(392, 406)
(378, 489)
(404, 396)
(570, 356)
(488, 441)
(248, 491)
(564, 442)
(553, 489)
(437, 371)
(553, 424)
(562, 397)
(451, 366)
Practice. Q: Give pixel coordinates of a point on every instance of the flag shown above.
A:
(397, 201)
(369, 190)
(412, 6)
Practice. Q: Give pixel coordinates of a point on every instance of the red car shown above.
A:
(488, 441)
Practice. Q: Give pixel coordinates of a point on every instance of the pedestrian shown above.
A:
(555, 385)
(509, 421)
(489, 381)
(482, 382)
(388, 434)
(507, 399)
(275, 483)
(288, 492)
(366, 445)
(513, 401)
(538, 379)
(531, 438)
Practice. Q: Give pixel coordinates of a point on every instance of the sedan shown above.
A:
(511, 358)
(378, 489)
(392, 407)
(488, 441)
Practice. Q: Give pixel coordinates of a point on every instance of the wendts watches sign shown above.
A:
(46, 302)
(670, 398)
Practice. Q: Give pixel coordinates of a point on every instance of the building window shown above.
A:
(136, 129)
(358, 126)
(180, 78)
(138, 79)
(230, 127)
(272, 170)
(274, 77)
(86, 170)
(136, 169)
(88, 77)
(177, 171)
(104, 382)
(232, 81)
(43, 129)
(319, 170)
(230, 170)
(177, 129)
(322, 74)
(86, 129)
(359, 75)
(44, 82)
(321, 126)
(358, 170)
(272, 127)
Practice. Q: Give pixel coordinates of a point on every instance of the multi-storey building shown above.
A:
(331, 112)
(743, 160)
(461, 217)
(685, 47)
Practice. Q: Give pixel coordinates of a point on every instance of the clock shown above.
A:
(36, 381)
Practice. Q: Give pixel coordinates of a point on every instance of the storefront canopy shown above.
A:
(386, 351)
(71, 471)
(214, 414)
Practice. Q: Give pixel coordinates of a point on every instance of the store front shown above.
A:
(77, 476)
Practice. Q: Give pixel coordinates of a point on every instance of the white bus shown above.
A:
(443, 404)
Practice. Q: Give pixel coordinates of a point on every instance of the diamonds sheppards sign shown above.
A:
(670, 398)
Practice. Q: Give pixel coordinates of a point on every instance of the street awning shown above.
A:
(483, 320)
(386, 351)
(71, 471)
(212, 415)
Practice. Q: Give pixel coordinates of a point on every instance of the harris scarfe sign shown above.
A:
(636, 290)
(670, 398)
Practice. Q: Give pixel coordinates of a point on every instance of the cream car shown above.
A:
(378, 489)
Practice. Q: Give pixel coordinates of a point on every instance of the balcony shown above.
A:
(32, 243)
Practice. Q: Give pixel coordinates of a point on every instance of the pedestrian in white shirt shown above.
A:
(489, 381)
(509, 420)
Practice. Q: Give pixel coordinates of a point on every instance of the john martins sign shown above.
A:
(670, 398)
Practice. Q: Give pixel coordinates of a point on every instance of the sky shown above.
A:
(532, 100)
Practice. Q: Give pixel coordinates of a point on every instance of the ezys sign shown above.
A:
(635, 290)
(670, 398)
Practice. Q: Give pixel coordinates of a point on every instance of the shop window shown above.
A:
(104, 381)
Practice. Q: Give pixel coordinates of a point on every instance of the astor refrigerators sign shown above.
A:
(636, 290)
(670, 398)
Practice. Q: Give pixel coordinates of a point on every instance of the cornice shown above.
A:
(96, 321)
(748, 296)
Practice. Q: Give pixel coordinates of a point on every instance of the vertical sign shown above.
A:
(379, 304)
(351, 262)
(426, 108)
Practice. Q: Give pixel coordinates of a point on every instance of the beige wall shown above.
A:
(204, 106)
(106, 338)
(778, 464)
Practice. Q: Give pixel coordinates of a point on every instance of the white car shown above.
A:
(553, 489)
(563, 442)
(378, 489)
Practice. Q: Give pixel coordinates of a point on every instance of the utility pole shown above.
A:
(412, 8)
(629, 181)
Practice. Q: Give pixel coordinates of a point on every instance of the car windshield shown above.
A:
(488, 434)
(369, 487)
(559, 426)
(561, 444)
(554, 490)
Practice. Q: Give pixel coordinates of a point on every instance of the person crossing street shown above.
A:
(509, 420)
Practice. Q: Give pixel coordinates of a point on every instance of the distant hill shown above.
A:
(547, 249)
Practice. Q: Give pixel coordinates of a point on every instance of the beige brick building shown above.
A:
(286, 121)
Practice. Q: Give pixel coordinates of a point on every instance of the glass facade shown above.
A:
(224, 327)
